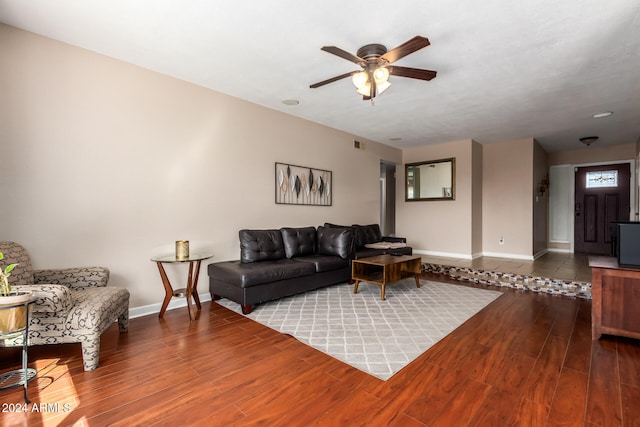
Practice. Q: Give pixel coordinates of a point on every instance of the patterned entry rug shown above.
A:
(375, 336)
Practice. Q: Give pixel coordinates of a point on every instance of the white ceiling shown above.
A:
(506, 69)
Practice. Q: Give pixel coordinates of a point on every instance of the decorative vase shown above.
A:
(13, 319)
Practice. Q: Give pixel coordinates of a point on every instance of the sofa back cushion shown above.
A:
(260, 245)
(299, 241)
(335, 241)
(22, 274)
(366, 234)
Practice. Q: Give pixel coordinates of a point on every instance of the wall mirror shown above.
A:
(430, 180)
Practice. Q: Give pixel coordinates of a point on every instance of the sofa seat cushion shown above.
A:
(256, 273)
(95, 309)
(324, 262)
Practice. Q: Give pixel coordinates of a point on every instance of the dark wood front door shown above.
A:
(602, 196)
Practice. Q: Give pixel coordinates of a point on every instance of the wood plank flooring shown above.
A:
(525, 360)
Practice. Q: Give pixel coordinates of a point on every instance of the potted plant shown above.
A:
(11, 318)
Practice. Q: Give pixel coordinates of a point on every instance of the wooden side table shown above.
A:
(192, 281)
(615, 293)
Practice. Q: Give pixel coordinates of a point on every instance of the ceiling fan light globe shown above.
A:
(381, 75)
(382, 87)
(360, 79)
(364, 90)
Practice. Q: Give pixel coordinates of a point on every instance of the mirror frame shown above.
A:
(429, 162)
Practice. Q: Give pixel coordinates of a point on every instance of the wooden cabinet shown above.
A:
(615, 291)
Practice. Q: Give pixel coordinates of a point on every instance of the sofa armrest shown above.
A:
(75, 278)
(49, 298)
(394, 239)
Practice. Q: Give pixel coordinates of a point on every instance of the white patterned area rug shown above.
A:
(375, 336)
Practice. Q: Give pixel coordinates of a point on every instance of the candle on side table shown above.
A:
(182, 249)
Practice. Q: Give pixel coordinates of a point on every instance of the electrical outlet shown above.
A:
(501, 240)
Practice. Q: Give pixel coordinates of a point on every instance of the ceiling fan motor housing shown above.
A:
(371, 52)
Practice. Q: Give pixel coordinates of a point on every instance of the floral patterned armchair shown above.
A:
(73, 305)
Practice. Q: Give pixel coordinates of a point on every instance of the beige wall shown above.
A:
(507, 199)
(438, 227)
(103, 162)
(593, 154)
(494, 199)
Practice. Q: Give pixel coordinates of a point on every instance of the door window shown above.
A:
(600, 179)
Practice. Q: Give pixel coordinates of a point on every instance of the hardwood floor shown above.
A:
(554, 265)
(526, 359)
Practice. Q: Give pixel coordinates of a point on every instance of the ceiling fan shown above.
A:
(376, 62)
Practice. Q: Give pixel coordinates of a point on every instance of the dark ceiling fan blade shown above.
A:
(332, 79)
(343, 54)
(410, 46)
(412, 73)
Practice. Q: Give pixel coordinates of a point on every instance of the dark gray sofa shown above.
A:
(368, 241)
(278, 263)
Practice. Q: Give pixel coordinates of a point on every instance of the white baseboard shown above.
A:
(491, 254)
(541, 253)
(145, 310)
(564, 251)
(512, 256)
(442, 254)
(474, 256)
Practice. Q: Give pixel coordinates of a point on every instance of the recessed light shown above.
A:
(290, 101)
(603, 114)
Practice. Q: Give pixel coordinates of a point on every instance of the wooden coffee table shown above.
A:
(385, 269)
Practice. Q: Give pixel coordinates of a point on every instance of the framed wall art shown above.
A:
(301, 185)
